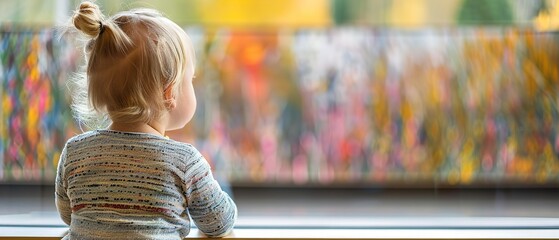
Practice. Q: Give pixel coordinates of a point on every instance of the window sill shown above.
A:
(25, 233)
(49, 226)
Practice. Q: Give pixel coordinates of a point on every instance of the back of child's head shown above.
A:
(132, 58)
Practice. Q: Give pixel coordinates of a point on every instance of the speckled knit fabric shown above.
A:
(117, 185)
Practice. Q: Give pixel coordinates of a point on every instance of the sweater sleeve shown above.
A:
(61, 197)
(212, 210)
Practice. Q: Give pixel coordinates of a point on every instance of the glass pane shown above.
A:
(306, 104)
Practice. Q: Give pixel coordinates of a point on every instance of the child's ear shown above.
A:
(170, 101)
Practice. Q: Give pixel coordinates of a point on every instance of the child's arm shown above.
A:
(212, 210)
(62, 201)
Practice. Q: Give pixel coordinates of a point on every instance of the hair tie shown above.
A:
(101, 28)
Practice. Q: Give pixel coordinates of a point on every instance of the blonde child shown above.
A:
(129, 181)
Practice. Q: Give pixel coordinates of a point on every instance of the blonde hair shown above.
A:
(132, 58)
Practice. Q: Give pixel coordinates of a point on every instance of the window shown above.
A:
(450, 103)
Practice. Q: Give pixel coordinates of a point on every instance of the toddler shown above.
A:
(129, 181)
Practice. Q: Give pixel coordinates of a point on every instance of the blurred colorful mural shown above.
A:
(35, 118)
(339, 99)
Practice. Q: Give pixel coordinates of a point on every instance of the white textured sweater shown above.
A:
(118, 185)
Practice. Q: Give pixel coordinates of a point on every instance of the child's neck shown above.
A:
(152, 128)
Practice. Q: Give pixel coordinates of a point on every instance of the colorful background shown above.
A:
(345, 93)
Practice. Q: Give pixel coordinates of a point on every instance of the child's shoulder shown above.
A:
(116, 137)
(81, 137)
(186, 148)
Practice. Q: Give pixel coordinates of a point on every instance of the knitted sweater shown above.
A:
(119, 185)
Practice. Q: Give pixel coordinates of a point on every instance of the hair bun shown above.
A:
(88, 19)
